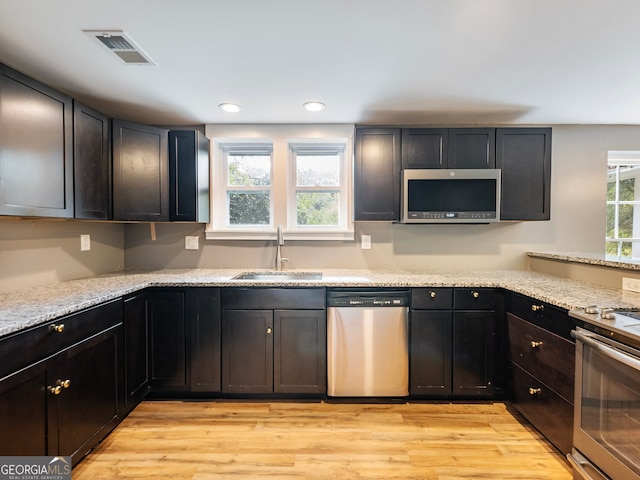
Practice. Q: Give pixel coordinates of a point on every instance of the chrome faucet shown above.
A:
(280, 241)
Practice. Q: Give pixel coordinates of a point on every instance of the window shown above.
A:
(297, 177)
(623, 201)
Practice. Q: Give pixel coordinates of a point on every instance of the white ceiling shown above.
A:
(371, 61)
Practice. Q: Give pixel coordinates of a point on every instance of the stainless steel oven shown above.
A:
(606, 432)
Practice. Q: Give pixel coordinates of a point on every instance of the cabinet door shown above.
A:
(425, 147)
(474, 353)
(377, 174)
(89, 404)
(247, 351)
(203, 311)
(472, 148)
(524, 155)
(36, 153)
(300, 351)
(188, 176)
(136, 344)
(431, 333)
(23, 412)
(140, 172)
(91, 163)
(168, 341)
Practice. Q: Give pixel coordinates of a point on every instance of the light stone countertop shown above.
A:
(589, 259)
(30, 307)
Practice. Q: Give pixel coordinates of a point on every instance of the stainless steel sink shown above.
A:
(279, 276)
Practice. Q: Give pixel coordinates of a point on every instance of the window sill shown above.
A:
(342, 236)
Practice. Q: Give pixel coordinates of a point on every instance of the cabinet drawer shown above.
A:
(474, 299)
(26, 347)
(547, 316)
(549, 357)
(551, 414)
(432, 298)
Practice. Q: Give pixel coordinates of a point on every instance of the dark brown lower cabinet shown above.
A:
(274, 351)
(136, 345)
(274, 341)
(168, 352)
(247, 351)
(455, 342)
(88, 409)
(300, 354)
(64, 404)
(541, 364)
(23, 411)
(430, 360)
(475, 352)
(203, 314)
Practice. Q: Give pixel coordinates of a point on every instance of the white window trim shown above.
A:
(626, 159)
(282, 138)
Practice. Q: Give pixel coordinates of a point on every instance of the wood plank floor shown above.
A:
(272, 440)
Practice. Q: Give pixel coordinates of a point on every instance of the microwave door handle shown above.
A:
(626, 359)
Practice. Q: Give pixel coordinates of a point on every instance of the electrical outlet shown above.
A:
(631, 284)
(85, 243)
(365, 242)
(191, 243)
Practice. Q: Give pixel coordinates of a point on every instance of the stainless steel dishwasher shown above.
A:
(367, 343)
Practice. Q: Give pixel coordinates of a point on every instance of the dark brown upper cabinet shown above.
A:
(36, 148)
(140, 172)
(91, 163)
(188, 176)
(472, 148)
(448, 148)
(524, 156)
(425, 147)
(377, 174)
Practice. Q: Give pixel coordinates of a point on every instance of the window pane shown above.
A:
(611, 248)
(611, 191)
(627, 187)
(626, 249)
(249, 208)
(318, 208)
(318, 170)
(625, 221)
(611, 221)
(249, 170)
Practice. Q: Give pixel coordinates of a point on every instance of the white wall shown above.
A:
(578, 187)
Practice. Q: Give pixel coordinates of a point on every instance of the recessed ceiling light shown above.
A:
(229, 107)
(314, 106)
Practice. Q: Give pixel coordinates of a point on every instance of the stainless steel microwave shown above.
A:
(450, 196)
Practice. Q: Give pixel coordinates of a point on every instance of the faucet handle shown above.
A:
(283, 260)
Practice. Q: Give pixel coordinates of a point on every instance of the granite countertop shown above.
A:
(589, 259)
(30, 307)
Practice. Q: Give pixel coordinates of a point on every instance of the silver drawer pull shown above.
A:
(535, 391)
(475, 294)
(432, 294)
(535, 344)
(537, 308)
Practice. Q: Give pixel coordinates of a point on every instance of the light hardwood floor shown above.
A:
(272, 440)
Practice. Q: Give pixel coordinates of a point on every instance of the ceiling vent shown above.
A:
(119, 43)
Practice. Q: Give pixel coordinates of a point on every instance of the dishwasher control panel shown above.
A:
(383, 298)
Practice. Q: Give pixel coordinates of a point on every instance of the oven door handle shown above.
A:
(578, 462)
(608, 351)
